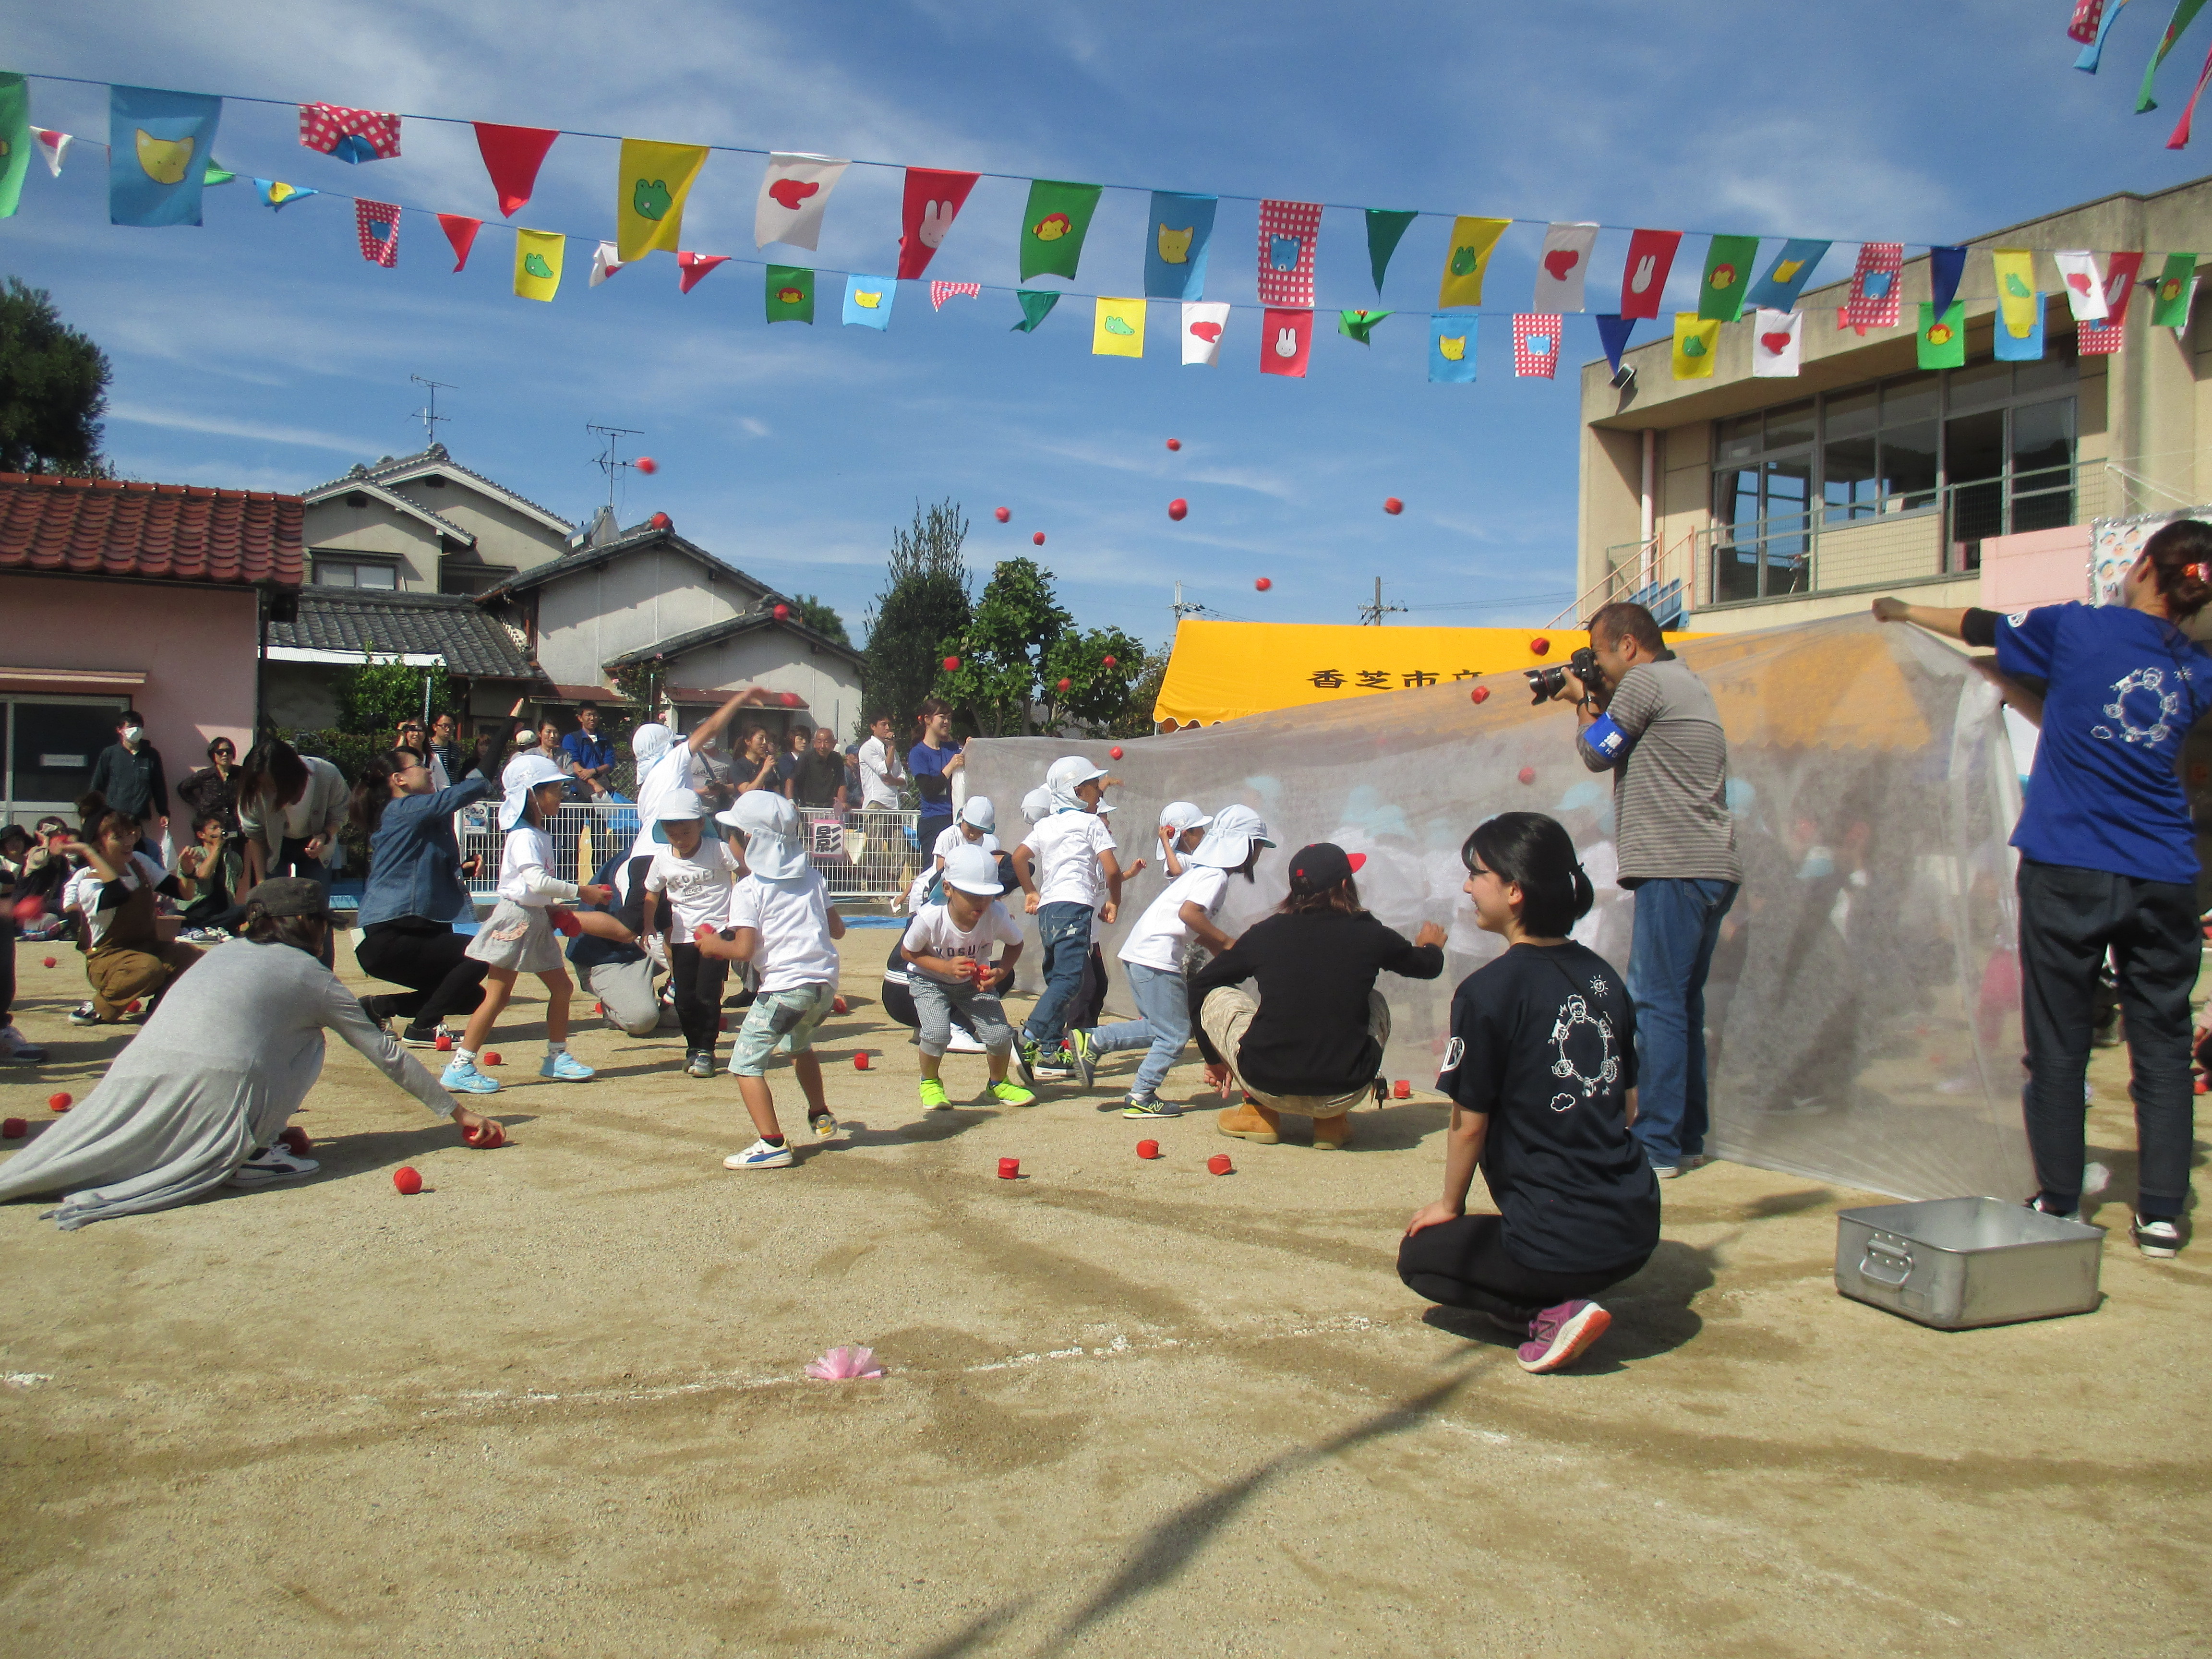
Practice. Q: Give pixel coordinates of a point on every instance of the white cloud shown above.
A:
(184, 421)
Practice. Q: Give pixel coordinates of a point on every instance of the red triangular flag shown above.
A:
(695, 266)
(461, 232)
(511, 155)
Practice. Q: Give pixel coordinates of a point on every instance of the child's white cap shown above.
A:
(1069, 773)
(973, 871)
(980, 813)
(679, 803)
(774, 849)
(649, 743)
(1036, 805)
(1181, 815)
(1235, 830)
(524, 773)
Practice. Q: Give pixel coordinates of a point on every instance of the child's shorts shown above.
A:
(780, 1022)
(520, 936)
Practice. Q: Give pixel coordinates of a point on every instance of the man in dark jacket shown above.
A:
(128, 776)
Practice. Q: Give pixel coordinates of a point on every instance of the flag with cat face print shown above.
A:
(1176, 236)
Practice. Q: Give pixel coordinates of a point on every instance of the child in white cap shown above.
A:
(693, 869)
(948, 947)
(517, 937)
(1182, 826)
(1071, 880)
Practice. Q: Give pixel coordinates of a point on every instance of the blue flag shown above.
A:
(1452, 347)
(157, 154)
(1785, 279)
(2021, 347)
(1175, 238)
(276, 194)
(868, 301)
(1613, 334)
(2095, 50)
(1945, 266)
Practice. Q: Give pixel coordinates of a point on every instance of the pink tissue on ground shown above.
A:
(844, 1365)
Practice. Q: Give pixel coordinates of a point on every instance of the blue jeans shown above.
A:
(1064, 940)
(1678, 922)
(1164, 1005)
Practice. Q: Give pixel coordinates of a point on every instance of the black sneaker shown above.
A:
(700, 1063)
(83, 1014)
(2160, 1238)
(1085, 1053)
(1025, 1053)
(421, 1036)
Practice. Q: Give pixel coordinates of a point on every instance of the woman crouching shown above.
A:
(1541, 1072)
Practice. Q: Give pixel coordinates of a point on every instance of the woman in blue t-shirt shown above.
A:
(2108, 858)
(1541, 1072)
(933, 762)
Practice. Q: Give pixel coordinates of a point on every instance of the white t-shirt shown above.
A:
(698, 887)
(1158, 939)
(1065, 847)
(793, 919)
(934, 933)
(526, 869)
(877, 767)
(82, 891)
(950, 841)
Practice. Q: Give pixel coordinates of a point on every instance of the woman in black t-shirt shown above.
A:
(1541, 1070)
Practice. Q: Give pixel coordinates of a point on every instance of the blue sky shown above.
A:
(261, 351)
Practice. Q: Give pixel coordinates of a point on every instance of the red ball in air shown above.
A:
(1527, 775)
(648, 465)
(661, 521)
(1114, 753)
(1479, 695)
(860, 1061)
(789, 700)
(407, 1179)
(837, 1005)
(1264, 583)
(1038, 538)
(1175, 443)
(1391, 504)
(49, 962)
(1540, 646)
(1402, 1090)
(953, 664)
(1108, 662)
(60, 1102)
(444, 1041)
(1066, 685)
(493, 1058)
(1178, 508)
(13, 1128)
(781, 612)
(297, 1140)
(1002, 513)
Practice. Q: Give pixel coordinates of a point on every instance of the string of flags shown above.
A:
(160, 160)
(2090, 25)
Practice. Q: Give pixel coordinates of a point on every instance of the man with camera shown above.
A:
(1643, 716)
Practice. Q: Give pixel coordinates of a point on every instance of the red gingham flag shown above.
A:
(1875, 298)
(1288, 231)
(1536, 344)
(2098, 339)
(376, 224)
(351, 135)
(940, 292)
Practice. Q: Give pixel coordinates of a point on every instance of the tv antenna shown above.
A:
(428, 413)
(608, 461)
(1373, 613)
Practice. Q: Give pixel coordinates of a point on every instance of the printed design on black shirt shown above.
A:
(1455, 1052)
(2148, 682)
(1574, 1014)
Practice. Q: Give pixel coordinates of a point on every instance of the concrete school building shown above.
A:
(1739, 502)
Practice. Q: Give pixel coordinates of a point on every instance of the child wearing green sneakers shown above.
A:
(948, 945)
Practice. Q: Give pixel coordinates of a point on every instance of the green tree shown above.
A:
(374, 698)
(1024, 667)
(924, 606)
(821, 616)
(53, 389)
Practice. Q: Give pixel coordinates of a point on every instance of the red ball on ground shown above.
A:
(1148, 1149)
(492, 1058)
(49, 962)
(860, 1061)
(781, 612)
(1066, 684)
(60, 1101)
(13, 1129)
(600, 1008)
(407, 1179)
(1114, 753)
(1038, 538)
(1219, 1163)
(837, 1005)
(953, 664)
(648, 465)
(1010, 1169)
(444, 1041)
(1175, 443)
(1402, 1090)
(1480, 693)
(297, 1140)
(1264, 583)
(661, 521)
(1178, 508)
(1527, 775)
(1393, 505)
(1002, 513)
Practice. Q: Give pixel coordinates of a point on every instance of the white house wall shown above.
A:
(503, 534)
(781, 661)
(331, 527)
(589, 618)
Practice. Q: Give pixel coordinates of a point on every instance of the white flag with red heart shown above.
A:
(2085, 284)
(1204, 323)
(1776, 338)
(54, 146)
(793, 193)
(1561, 267)
(604, 263)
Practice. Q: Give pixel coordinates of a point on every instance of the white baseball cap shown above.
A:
(1181, 815)
(1227, 844)
(1036, 805)
(973, 871)
(1068, 774)
(524, 773)
(980, 813)
(683, 804)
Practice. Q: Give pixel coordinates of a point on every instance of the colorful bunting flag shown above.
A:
(2120, 272)
(651, 182)
(1204, 322)
(1182, 228)
(2085, 284)
(606, 261)
(54, 146)
(218, 174)
(1288, 232)
(2084, 25)
(1468, 260)
(1612, 332)
(1562, 265)
(1729, 261)
(1036, 306)
(351, 135)
(276, 194)
(2179, 138)
(2170, 299)
(157, 154)
(376, 225)
(1285, 336)
(15, 140)
(1536, 344)
(1385, 227)
(462, 233)
(1117, 328)
(2095, 49)
(512, 155)
(2184, 14)
(1785, 278)
(790, 290)
(795, 193)
(2096, 339)
(1451, 349)
(1876, 302)
(1697, 341)
(691, 269)
(1359, 324)
(934, 199)
(1777, 341)
(1053, 225)
(1946, 265)
(868, 301)
(2017, 304)
(940, 292)
(1643, 279)
(538, 262)
(1942, 343)
(2020, 347)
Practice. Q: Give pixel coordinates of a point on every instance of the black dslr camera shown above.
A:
(1547, 682)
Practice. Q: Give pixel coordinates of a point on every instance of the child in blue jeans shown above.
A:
(1066, 867)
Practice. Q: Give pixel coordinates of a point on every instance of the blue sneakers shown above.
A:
(462, 1077)
(760, 1156)
(565, 1067)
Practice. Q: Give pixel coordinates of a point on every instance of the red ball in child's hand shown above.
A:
(13, 1129)
(486, 1135)
(1038, 538)
(492, 1058)
(860, 1061)
(297, 1140)
(1002, 513)
(60, 1102)
(1479, 695)
(407, 1179)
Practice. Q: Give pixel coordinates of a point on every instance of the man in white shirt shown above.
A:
(880, 771)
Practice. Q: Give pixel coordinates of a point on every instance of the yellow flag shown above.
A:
(1472, 243)
(2017, 302)
(1696, 341)
(537, 264)
(649, 196)
(1117, 328)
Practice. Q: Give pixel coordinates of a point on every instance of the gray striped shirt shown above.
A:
(1669, 793)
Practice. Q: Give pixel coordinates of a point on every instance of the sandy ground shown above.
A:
(553, 1406)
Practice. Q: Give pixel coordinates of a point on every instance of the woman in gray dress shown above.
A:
(201, 1096)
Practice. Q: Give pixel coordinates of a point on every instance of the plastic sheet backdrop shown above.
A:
(1863, 1010)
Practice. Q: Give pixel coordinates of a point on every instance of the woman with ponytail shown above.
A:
(2108, 858)
(1541, 1072)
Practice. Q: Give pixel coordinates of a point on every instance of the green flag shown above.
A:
(2184, 14)
(217, 174)
(1384, 226)
(1358, 325)
(790, 294)
(1943, 339)
(15, 136)
(1727, 274)
(2170, 299)
(1036, 306)
(1054, 225)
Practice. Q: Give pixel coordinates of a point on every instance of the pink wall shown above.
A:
(2037, 567)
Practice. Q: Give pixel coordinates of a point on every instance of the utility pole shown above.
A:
(428, 413)
(1373, 613)
(608, 462)
(1193, 609)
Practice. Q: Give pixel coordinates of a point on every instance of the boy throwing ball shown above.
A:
(949, 945)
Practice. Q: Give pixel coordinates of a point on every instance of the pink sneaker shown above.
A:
(1558, 1335)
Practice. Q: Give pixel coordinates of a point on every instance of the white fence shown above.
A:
(862, 855)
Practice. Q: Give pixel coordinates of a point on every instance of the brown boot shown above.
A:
(1251, 1121)
(1331, 1133)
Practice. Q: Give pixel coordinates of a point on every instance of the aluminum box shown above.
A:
(1954, 1263)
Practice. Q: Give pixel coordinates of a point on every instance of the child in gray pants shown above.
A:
(947, 946)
